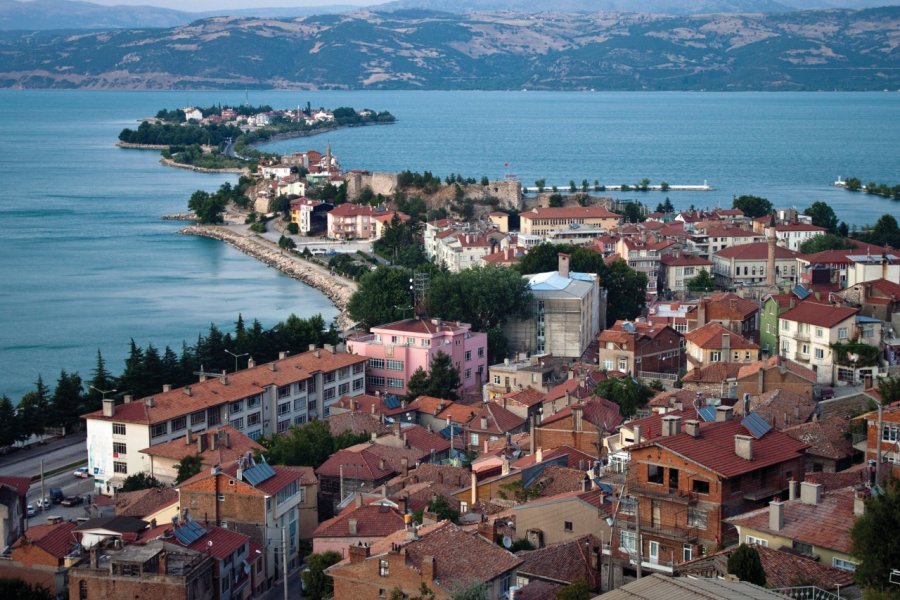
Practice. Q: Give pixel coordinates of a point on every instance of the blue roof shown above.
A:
(554, 281)
(189, 533)
(864, 319)
(457, 430)
(258, 473)
(392, 402)
(801, 292)
(756, 425)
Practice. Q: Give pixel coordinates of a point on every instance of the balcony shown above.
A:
(662, 492)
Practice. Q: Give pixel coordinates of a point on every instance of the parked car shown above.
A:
(827, 393)
(44, 503)
(30, 510)
(72, 501)
(82, 472)
(56, 495)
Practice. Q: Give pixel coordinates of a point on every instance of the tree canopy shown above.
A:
(318, 585)
(383, 296)
(752, 206)
(308, 445)
(822, 216)
(745, 564)
(827, 241)
(873, 541)
(441, 381)
(140, 481)
(485, 296)
(627, 392)
(885, 232)
(702, 282)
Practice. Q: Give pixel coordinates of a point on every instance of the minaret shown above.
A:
(770, 263)
(328, 158)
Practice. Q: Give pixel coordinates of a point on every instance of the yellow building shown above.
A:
(542, 221)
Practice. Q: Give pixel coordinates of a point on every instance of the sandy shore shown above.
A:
(338, 289)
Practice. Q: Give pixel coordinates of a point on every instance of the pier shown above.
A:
(565, 189)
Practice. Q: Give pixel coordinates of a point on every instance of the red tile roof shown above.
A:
(224, 542)
(596, 410)
(826, 525)
(799, 227)
(820, 315)
(364, 462)
(237, 445)
(526, 397)
(498, 419)
(144, 502)
(555, 480)
(826, 438)
(56, 540)
(538, 590)
(713, 373)
(710, 337)
(570, 212)
(714, 448)
(777, 362)
(567, 561)
(728, 306)
(372, 520)
(684, 261)
(423, 326)
(357, 423)
(651, 427)
(423, 440)
(780, 408)
(755, 251)
(20, 484)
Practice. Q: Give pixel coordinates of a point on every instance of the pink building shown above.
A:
(397, 349)
(360, 222)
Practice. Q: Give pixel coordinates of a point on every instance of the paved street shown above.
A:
(56, 453)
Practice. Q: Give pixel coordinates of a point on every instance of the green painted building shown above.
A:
(773, 306)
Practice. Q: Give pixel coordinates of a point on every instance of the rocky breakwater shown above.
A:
(338, 289)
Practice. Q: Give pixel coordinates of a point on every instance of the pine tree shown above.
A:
(443, 379)
(100, 380)
(9, 424)
(67, 401)
(745, 564)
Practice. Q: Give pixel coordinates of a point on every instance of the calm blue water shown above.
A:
(85, 262)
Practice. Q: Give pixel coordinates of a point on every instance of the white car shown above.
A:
(82, 472)
(44, 503)
(30, 510)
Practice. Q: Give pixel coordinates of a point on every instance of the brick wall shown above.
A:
(100, 585)
(241, 501)
(562, 433)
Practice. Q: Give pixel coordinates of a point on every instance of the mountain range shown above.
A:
(75, 14)
(417, 49)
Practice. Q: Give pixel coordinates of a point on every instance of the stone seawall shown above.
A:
(171, 163)
(338, 289)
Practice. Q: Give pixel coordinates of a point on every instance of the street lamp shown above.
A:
(236, 357)
(103, 392)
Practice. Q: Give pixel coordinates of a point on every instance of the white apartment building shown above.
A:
(792, 235)
(260, 400)
(807, 331)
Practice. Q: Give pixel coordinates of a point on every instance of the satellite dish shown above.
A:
(507, 542)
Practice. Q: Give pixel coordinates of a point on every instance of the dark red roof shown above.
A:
(651, 427)
(55, 540)
(714, 448)
(566, 561)
(755, 251)
(498, 419)
(224, 542)
(372, 520)
(820, 315)
(20, 484)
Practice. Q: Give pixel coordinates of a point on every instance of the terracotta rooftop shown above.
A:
(710, 337)
(372, 520)
(235, 386)
(20, 484)
(780, 408)
(651, 427)
(428, 405)
(363, 403)
(144, 502)
(527, 396)
(826, 438)
(777, 362)
(56, 540)
(826, 524)
(446, 474)
(357, 423)
(714, 448)
(538, 590)
(563, 562)
(668, 398)
(366, 462)
(555, 480)
(728, 306)
(684, 260)
(283, 476)
(231, 445)
(596, 411)
(755, 251)
(800, 227)
(458, 413)
(570, 212)
(418, 438)
(224, 542)
(713, 373)
(820, 315)
(497, 419)
(854, 476)
(423, 326)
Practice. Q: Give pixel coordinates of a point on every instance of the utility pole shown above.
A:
(284, 561)
(236, 357)
(42, 485)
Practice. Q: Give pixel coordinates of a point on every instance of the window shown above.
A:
(238, 423)
(284, 408)
(426, 343)
(567, 526)
(284, 391)
(83, 589)
(213, 416)
(344, 372)
(819, 332)
(687, 552)
(889, 433)
(118, 428)
(300, 420)
(384, 568)
(395, 365)
(358, 383)
(393, 382)
(654, 474)
(700, 486)
(236, 407)
(819, 353)
(608, 365)
(628, 541)
(842, 333)
(843, 565)
(468, 355)
(785, 326)
(255, 434)
(376, 363)
(481, 352)
(120, 467)
(628, 505)
(329, 377)
(715, 356)
(755, 541)
(253, 419)
(119, 448)
(696, 518)
(328, 394)
(198, 417)
(221, 497)
(497, 379)
(359, 368)
(179, 423)
(253, 401)
(802, 547)
(301, 387)
(284, 425)
(375, 381)
(158, 430)
(804, 349)
(343, 389)
(468, 373)
(288, 491)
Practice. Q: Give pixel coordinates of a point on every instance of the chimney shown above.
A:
(726, 347)
(373, 408)
(428, 568)
(671, 425)
(743, 446)
(358, 553)
(474, 485)
(776, 515)
(187, 391)
(163, 563)
(539, 455)
(576, 417)
(188, 437)
(167, 387)
(637, 434)
(563, 265)
(724, 413)
(109, 407)
(351, 526)
(312, 347)
(701, 314)
(397, 428)
(317, 353)
(793, 487)
(692, 428)
(128, 398)
(381, 464)
(810, 493)
(273, 367)
(859, 504)
(504, 466)
(251, 363)
(282, 355)
(201, 443)
(404, 466)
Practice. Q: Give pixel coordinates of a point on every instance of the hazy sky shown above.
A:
(204, 5)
